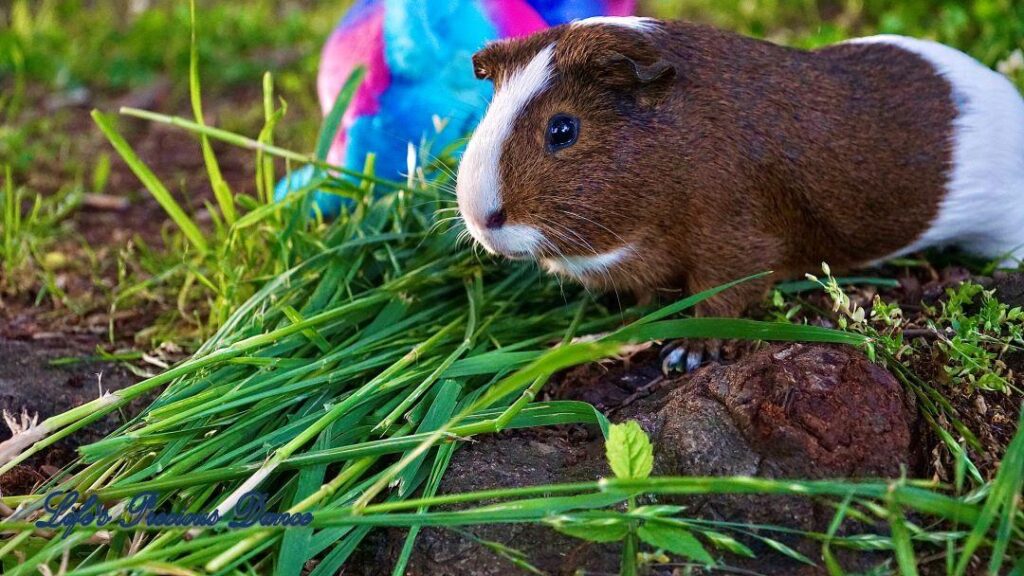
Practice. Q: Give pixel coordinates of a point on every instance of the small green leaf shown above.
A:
(676, 540)
(629, 451)
(596, 530)
(656, 510)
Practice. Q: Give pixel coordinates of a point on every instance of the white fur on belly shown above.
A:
(583, 266)
(983, 210)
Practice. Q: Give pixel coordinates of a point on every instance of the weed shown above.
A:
(975, 331)
(971, 327)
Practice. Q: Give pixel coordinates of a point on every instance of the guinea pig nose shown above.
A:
(496, 219)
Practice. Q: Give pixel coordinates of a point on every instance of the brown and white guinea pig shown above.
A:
(639, 154)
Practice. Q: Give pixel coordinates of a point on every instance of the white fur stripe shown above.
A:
(633, 22)
(983, 209)
(582, 266)
(478, 188)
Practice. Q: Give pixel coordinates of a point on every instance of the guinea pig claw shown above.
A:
(686, 356)
(672, 361)
(694, 359)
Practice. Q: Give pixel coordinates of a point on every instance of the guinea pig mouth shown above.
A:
(513, 241)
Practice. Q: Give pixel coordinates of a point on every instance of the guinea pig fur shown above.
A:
(638, 154)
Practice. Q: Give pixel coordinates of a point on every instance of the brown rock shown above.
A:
(788, 411)
(1009, 287)
(793, 411)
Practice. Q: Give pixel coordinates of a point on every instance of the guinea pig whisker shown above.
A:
(439, 210)
(604, 273)
(448, 187)
(448, 219)
(549, 229)
(625, 244)
(570, 213)
(464, 238)
(419, 205)
(562, 232)
(435, 161)
(580, 241)
(439, 223)
(570, 243)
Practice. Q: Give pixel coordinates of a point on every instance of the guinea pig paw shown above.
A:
(687, 355)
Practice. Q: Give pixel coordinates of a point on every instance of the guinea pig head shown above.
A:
(561, 168)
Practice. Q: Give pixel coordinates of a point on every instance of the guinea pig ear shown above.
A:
(483, 65)
(622, 71)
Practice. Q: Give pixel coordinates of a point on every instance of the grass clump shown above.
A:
(970, 326)
(975, 331)
(29, 227)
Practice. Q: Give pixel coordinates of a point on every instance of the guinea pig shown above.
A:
(644, 155)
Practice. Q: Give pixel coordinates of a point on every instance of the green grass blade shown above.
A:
(731, 328)
(693, 300)
(151, 182)
(332, 122)
(797, 286)
(902, 544)
(221, 190)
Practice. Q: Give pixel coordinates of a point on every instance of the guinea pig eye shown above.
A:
(562, 131)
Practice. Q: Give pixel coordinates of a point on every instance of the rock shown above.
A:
(787, 411)
(793, 411)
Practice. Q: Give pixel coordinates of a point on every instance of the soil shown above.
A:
(498, 461)
(29, 382)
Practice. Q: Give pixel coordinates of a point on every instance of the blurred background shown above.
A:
(88, 223)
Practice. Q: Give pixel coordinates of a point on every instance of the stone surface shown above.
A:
(1009, 287)
(793, 411)
(788, 411)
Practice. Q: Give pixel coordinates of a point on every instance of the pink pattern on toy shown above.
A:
(513, 17)
(620, 7)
